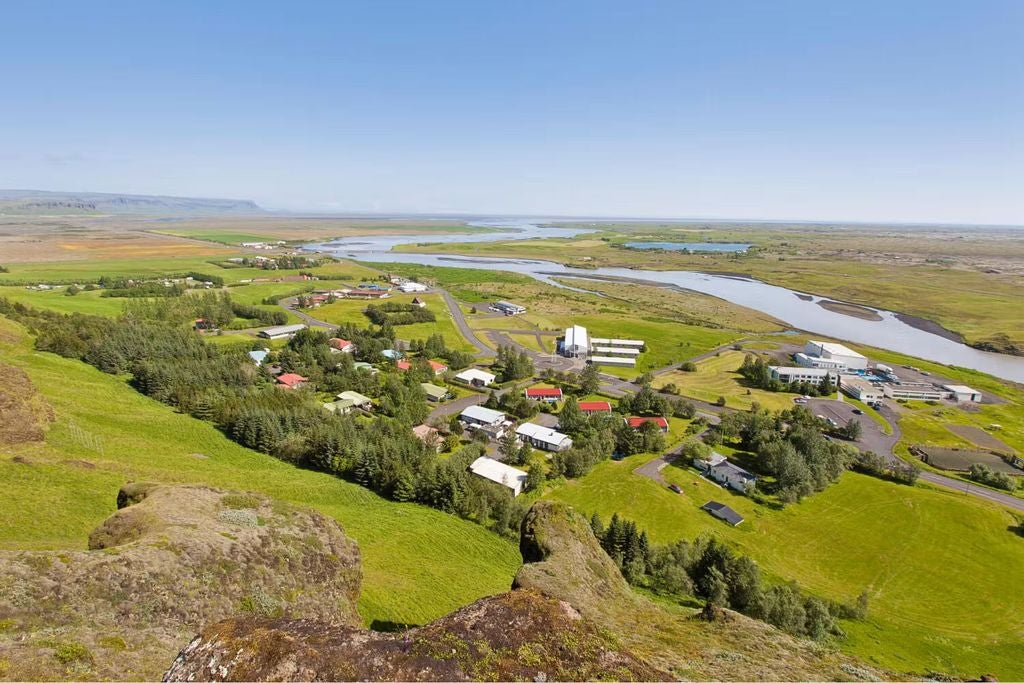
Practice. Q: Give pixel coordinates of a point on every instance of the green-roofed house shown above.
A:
(358, 400)
(434, 393)
(341, 407)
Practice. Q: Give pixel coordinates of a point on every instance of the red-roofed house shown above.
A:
(290, 380)
(548, 394)
(595, 406)
(342, 345)
(438, 368)
(637, 422)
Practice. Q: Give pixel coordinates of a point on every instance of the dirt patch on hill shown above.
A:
(24, 414)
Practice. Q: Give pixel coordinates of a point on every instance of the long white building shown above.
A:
(542, 437)
(499, 473)
(799, 374)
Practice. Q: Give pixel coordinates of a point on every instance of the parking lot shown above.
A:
(873, 438)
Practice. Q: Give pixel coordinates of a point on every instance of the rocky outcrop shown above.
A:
(173, 559)
(570, 616)
(521, 635)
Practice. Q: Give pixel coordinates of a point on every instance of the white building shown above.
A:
(837, 352)
(620, 361)
(358, 400)
(576, 343)
(544, 438)
(626, 343)
(412, 287)
(478, 416)
(916, 391)
(508, 308)
(615, 351)
(805, 361)
(861, 389)
(963, 394)
(500, 473)
(476, 377)
(718, 468)
(797, 374)
(281, 331)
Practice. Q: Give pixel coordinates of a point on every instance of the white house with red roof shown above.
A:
(546, 394)
(638, 422)
(290, 380)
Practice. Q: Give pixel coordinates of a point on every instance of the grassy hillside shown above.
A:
(936, 564)
(105, 433)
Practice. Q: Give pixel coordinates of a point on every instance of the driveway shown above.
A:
(290, 305)
(460, 321)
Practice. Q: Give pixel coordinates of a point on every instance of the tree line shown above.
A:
(710, 570)
(394, 313)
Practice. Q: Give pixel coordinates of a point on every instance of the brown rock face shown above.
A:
(521, 635)
(173, 559)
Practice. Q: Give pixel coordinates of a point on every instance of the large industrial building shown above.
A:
(861, 389)
(830, 351)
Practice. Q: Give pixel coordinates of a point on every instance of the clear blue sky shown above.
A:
(867, 110)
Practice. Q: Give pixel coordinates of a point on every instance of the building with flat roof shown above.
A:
(963, 394)
(410, 287)
(723, 512)
(615, 351)
(281, 331)
(542, 437)
(805, 361)
(916, 391)
(575, 343)
(790, 374)
(508, 308)
(499, 473)
(861, 389)
(620, 361)
(631, 343)
(834, 351)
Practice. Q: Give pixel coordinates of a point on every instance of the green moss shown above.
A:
(115, 643)
(238, 501)
(72, 653)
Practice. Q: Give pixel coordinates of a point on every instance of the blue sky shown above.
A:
(899, 111)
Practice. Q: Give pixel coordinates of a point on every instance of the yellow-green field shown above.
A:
(934, 562)
(718, 376)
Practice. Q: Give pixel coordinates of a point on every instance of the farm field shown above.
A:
(351, 311)
(908, 547)
(55, 300)
(106, 434)
(717, 376)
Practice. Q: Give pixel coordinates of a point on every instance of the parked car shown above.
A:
(674, 488)
(858, 411)
(799, 400)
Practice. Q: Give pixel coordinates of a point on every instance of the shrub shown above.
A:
(720, 401)
(688, 366)
(72, 653)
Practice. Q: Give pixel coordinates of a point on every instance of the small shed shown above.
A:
(723, 512)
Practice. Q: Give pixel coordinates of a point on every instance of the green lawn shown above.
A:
(935, 563)
(717, 376)
(56, 300)
(105, 434)
(351, 311)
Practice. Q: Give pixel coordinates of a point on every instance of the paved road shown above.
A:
(456, 406)
(289, 305)
(483, 350)
(541, 361)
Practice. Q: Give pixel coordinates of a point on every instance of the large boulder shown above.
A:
(171, 560)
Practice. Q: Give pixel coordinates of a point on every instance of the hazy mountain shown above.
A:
(44, 202)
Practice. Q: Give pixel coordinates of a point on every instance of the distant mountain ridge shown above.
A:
(43, 202)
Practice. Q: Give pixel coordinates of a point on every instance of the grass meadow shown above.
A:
(106, 434)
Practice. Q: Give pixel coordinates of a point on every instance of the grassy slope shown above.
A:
(409, 575)
(936, 563)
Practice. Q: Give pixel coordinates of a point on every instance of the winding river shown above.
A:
(794, 308)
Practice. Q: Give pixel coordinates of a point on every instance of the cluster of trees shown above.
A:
(513, 403)
(711, 570)
(790, 445)
(597, 437)
(756, 371)
(869, 462)
(983, 474)
(511, 365)
(434, 347)
(146, 289)
(586, 382)
(394, 313)
(173, 365)
(262, 315)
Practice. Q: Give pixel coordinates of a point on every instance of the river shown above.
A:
(797, 309)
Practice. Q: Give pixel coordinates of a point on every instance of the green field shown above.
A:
(55, 300)
(935, 563)
(106, 434)
(351, 311)
(717, 376)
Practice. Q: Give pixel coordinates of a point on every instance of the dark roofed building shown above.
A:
(723, 512)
